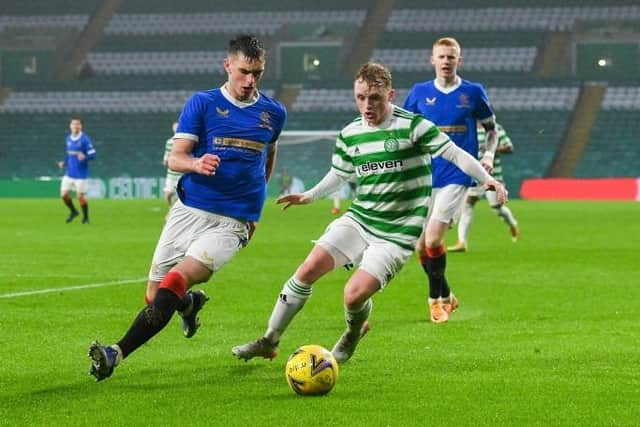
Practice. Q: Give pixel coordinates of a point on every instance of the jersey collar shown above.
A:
(448, 89)
(239, 104)
(76, 138)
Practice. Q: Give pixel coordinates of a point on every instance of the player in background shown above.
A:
(454, 105)
(225, 145)
(505, 146)
(285, 181)
(171, 181)
(388, 150)
(79, 150)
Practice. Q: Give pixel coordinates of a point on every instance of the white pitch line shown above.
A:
(71, 288)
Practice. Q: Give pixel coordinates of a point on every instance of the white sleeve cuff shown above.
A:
(184, 135)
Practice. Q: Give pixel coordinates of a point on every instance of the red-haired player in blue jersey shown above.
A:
(454, 105)
(225, 145)
(78, 151)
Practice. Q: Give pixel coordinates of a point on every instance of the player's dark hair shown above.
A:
(75, 118)
(249, 45)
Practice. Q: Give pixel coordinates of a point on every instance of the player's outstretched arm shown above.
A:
(473, 168)
(327, 185)
(498, 187)
(293, 199)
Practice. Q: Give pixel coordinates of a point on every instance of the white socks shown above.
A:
(336, 200)
(291, 300)
(505, 213)
(466, 218)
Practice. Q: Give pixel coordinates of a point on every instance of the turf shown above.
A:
(547, 332)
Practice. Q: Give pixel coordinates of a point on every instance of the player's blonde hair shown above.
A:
(449, 42)
(374, 74)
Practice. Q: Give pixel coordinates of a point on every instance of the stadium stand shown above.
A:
(261, 23)
(193, 62)
(505, 18)
(126, 143)
(614, 144)
(75, 22)
(151, 56)
(478, 59)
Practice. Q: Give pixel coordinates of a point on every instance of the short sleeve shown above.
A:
(88, 146)
(190, 123)
(341, 162)
(483, 110)
(279, 124)
(410, 102)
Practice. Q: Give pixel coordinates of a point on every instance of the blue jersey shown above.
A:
(241, 135)
(455, 112)
(78, 169)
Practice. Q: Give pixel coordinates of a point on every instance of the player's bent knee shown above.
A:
(353, 298)
(308, 273)
(193, 271)
(319, 262)
(152, 290)
(432, 243)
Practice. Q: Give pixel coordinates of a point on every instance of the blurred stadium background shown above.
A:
(564, 80)
(546, 331)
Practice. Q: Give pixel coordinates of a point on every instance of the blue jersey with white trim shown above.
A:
(240, 135)
(76, 168)
(455, 113)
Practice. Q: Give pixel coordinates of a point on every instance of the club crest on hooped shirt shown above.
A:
(391, 145)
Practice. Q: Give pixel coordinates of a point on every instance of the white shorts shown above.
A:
(348, 243)
(479, 191)
(211, 239)
(80, 186)
(171, 182)
(446, 203)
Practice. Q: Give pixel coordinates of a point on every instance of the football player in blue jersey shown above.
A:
(454, 105)
(78, 151)
(225, 145)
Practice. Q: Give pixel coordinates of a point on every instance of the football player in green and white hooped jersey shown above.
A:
(171, 181)
(389, 151)
(505, 146)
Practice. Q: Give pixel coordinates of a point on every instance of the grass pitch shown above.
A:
(547, 332)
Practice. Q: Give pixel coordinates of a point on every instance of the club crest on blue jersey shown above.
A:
(265, 120)
(463, 100)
